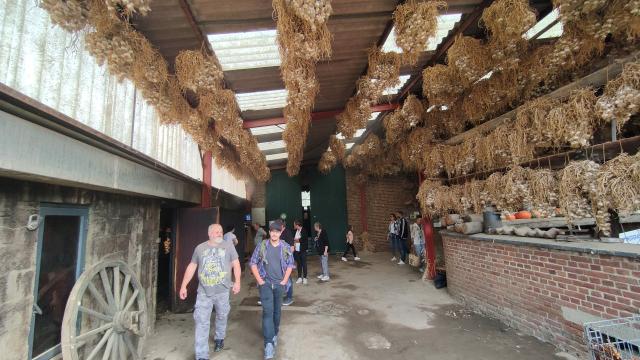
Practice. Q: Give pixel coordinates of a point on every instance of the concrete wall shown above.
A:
(120, 227)
(383, 196)
(542, 290)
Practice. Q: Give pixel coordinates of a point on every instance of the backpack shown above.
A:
(286, 252)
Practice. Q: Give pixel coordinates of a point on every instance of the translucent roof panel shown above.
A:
(553, 32)
(270, 129)
(277, 156)
(359, 133)
(395, 89)
(446, 22)
(261, 100)
(271, 145)
(349, 145)
(246, 50)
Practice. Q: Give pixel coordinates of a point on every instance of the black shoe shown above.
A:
(219, 345)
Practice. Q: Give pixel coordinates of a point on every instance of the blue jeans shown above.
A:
(290, 291)
(398, 248)
(271, 297)
(402, 248)
(419, 250)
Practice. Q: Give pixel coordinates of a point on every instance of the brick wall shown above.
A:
(383, 196)
(119, 227)
(543, 292)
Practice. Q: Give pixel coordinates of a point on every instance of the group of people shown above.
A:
(400, 231)
(272, 264)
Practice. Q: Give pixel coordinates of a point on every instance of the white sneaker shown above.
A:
(325, 278)
(344, 258)
(299, 281)
(393, 258)
(400, 262)
(356, 258)
(320, 276)
(304, 281)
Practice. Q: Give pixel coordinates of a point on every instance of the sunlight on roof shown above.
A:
(246, 50)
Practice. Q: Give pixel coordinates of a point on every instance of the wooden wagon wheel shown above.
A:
(106, 315)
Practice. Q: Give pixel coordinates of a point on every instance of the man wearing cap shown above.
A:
(214, 260)
(271, 265)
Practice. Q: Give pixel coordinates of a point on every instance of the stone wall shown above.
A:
(545, 289)
(382, 196)
(119, 227)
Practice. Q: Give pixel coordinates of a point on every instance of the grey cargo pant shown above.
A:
(202, 317)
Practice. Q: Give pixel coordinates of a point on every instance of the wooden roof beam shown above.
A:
(315, 116)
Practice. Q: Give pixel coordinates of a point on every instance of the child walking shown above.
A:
(349, 245)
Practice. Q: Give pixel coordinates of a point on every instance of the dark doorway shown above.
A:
(166, 248)
(60, 260)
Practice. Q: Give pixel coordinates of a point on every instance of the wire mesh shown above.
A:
(614, 339)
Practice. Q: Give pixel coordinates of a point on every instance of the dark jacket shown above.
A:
(321, 241)
(287, 236)
(304, 240)
(403, 228)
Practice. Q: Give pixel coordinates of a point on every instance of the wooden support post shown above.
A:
(363, 208)
(207, 164)
(430, 246)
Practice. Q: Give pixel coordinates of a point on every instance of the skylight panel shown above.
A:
(277, 156)
(349, 145)
(359, 133)
(261, 100)
(269, 129)
(395, 89)
(446, 22)
(553, 31)
(271, 145)
(375, 114)
(246, 50)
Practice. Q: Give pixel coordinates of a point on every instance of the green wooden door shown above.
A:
(329, 204)
(284, 195)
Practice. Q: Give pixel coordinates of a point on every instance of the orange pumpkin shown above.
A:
(523, 215)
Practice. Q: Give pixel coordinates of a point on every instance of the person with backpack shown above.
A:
(322, 246)
(349, 245)
(271, 264)
(287, 237)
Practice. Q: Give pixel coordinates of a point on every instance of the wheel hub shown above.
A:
(127, 321)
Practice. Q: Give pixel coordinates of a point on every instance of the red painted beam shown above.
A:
(315, 116)
(430, 246)
(207, 164)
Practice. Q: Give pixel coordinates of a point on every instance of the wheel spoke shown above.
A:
(107, 288)
(116, 286)
(95, 314)
(100, 344)
(122, 348)
(125, 290)
(115, 350)
(107, 350)
(93, 332)
(99, 298)
(130, 346)
(131, 300)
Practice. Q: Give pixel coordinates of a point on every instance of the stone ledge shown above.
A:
(589, 247)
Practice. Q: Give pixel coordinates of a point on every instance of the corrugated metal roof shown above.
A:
(261, 100)
(271, 145)
(270, 129)
(246, 50)
(552, 32)
(446, 22)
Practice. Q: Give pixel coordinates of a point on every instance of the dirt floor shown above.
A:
(371, 309)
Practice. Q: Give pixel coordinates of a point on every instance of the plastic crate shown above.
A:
(614, 339)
